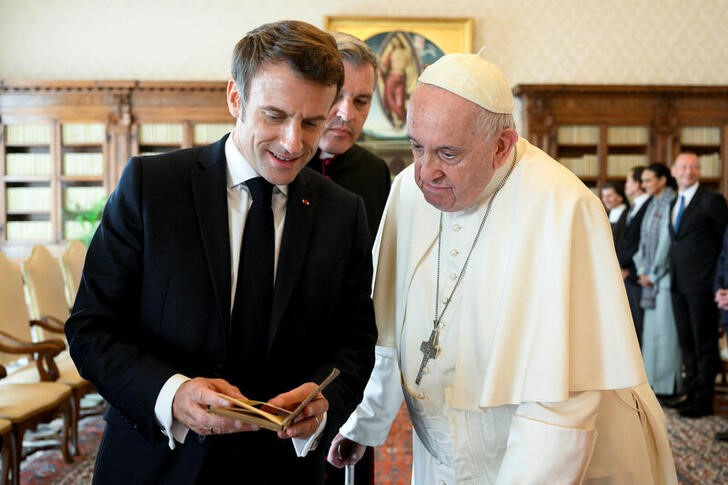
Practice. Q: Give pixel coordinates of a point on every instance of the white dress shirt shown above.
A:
(688, 193)
(239, 202)
(616, 213)
(637, 204)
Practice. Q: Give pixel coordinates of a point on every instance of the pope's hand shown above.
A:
(312, 415)
(192, 399)
(344, 452)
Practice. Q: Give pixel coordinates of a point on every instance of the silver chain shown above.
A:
(437, 319)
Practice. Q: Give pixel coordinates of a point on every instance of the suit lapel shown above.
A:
(670, 226)
(690, 210)
(301, 209)
(210, 199)
(687, 212)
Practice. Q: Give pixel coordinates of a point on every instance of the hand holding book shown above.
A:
(285, 413)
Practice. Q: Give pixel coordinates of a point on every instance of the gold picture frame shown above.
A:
(404, 47)
(450, 34)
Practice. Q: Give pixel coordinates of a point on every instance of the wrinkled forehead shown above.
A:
(687, 161)
(435, 102)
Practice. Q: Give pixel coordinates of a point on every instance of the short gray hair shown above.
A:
(493, 124)
(354, 50)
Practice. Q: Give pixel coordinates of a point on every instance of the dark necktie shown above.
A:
(250, 319)
(680, 209)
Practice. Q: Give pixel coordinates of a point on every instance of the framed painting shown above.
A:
(404, 47)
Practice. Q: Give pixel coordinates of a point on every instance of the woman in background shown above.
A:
(660, 348)
(615, 201)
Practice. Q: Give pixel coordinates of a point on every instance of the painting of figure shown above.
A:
(401, 57)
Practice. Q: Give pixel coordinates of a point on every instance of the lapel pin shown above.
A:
(305, 202)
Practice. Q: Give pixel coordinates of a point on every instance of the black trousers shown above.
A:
(696, 318)
(634, 294)
(259, 457)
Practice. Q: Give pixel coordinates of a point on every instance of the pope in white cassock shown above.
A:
(503, 319)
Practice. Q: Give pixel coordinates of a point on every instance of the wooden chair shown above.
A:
(72, 261)
(5, 435)
(25, 405)
(46, 289)
(5, 429)
(15, 322)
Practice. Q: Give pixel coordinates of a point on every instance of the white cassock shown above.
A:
(540, 378)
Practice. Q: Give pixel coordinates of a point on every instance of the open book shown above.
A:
(264, 414)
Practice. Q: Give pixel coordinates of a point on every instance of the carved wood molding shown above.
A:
(20, 85)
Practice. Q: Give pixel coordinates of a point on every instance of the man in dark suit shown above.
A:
(353, 167)
(696, 228)
(190, 289)
(339, 157)
(628, 243)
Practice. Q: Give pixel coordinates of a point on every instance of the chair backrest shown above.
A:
(14, 318)
(46, 287)
(72, 266)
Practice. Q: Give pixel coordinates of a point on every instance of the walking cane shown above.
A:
(345, 449)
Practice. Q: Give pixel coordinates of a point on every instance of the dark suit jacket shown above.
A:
(618, 227)
(629, 241)
(155, 300)
(365, 174)
(696, 245)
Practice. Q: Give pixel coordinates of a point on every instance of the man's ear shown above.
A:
(234, 100)
(504, 144)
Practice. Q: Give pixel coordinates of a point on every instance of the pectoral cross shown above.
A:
(430, 350)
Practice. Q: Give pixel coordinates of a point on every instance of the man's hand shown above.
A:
(344, 452)
(721, 298)
(190, 407)
(625, 273)
(308, 421)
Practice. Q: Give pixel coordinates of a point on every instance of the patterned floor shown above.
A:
(700, 460)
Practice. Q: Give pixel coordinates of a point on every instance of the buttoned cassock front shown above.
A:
(539, 326)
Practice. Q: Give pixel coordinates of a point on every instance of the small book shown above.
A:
(264, 414)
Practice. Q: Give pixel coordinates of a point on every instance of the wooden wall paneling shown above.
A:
(664, 110)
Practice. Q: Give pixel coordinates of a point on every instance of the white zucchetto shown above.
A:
(473, 78)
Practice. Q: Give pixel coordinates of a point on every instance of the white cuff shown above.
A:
(171, 428)
(304, 445)
(370, 422)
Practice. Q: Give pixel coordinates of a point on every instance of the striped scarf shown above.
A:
(656, 216)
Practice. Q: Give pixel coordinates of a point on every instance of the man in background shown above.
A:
(628, 244)
(230, 268)
(339, 157)
(502, 318)
(353, 167)
(696, 227)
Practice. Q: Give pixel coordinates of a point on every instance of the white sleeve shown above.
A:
(174, 430)
(304, 445)
(551, 442)
(370, 422)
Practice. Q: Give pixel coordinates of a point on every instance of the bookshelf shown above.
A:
(63, 145)
(600, 132)
(83, 151)
(28, 181)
